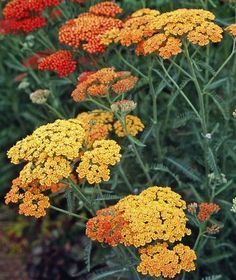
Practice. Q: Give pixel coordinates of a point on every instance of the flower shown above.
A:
(206, 210)
(85, 30)
(157, 260)
(231, 29)
(155, 214)
(33, 61)
(94, 163)
(97, 125)
(233, 209)
(106, 226)
(60, 62)
(100, 82)
(133, 125)
(214, 229)
(162, 34)
(39, 96)
(192, 208)
(106, 8)
(124, 106)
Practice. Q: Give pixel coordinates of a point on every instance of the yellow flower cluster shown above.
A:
(157, 260)
(151, 221)
(53, 152)
(163, 33)
(156, 214)
(94, 165)
(133, 126)
(49, 151)
(98, 124)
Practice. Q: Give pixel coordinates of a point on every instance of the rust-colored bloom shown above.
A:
(60, 62)
(33, 60)
(102, 82)
(106, 226)
(206, 210)
(85, 30)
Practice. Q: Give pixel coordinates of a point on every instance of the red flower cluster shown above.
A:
(85, 30)
(60, 62)
(206, 210)
(24, 15)
(106, 226)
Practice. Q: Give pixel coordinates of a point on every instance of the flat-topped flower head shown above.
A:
(206, 210)
(94, 165)
(157, 260)
(102, 82)
(85, 30)
(133, 125)
(60, 62)
(61, 138)
(156, 214)
(162, 34)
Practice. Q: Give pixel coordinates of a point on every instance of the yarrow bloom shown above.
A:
(60, 62)
(231, 29)
(206, 210)
(33, 60)
(233, 209)
(94, 165)
(162, 34)
(133, 125)
(157, 260)
(85, 30)
(97, 125)
(155, 215)
(22, 15)
(101, 82)
(39, 96)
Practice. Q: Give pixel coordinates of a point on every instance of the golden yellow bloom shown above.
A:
(94, 164)
(133, 126)
(157, 260)
(156, 214)
(162, 33)
(231, 29)
(61, 138)
(34, 205)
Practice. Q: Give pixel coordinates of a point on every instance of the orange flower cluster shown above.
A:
(133, 125)
(99, 83)
(106, 226)
(33, 61)
(157, 260)
(206, 210)
(162, 34)
(97, 125)
(154, 215)
(85, 30)
(60, 62)
(25, 15)
(231, 29)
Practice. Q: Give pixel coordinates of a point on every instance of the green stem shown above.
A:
(101, 195)
(67, 212)
(125, 177)
(58, 114)
(180, 90)
(130, 65)
(222, 66)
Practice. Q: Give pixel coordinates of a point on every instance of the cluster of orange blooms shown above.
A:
(24, 15)
(162, 34)
(206, 210)
(54, 152)
(98, 124)
(60, 62)
(155, 215)
(85, 30)
(102, 82)
(231, 29)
